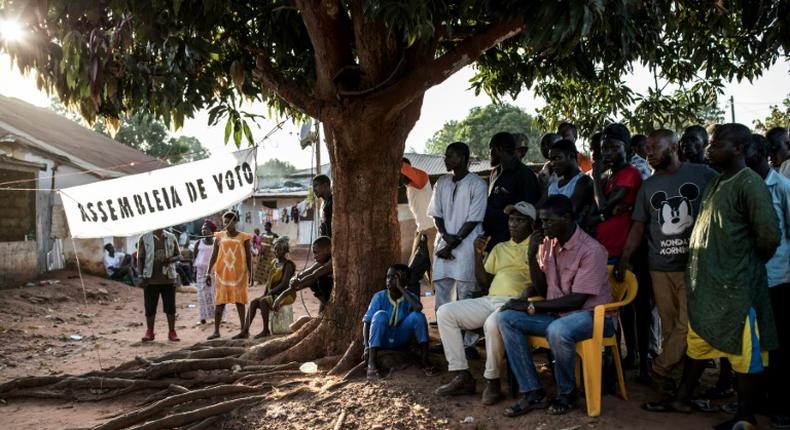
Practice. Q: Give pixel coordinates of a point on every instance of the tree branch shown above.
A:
(272, 79)
(411, 86)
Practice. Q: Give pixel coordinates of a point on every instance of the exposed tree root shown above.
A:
(275, 346)
(208, 423)
(309, 347)
(351, 357)
(184, 418)
(139, 415)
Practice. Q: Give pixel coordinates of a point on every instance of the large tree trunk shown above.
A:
(366, 145)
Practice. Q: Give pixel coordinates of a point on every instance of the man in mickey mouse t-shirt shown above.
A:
(667, 206)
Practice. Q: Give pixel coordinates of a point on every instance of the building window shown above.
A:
(18, 210)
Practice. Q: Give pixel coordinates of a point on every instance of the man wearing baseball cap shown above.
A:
(505, 275)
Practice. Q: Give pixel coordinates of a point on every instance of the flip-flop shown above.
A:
(560, 406)
(665, 406)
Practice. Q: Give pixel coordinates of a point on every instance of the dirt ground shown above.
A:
(49, 330)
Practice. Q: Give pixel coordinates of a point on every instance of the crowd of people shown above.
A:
(702, 220)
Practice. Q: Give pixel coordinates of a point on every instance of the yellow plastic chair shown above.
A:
(590, 351)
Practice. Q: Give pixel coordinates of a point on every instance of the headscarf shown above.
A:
(210, 224)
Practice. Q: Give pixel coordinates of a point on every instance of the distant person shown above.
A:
(393, 319)
(204, 247)
(318, 277)
(510, 182)
(522, 145)
(267, 230)
(418, 193)
(230, 270)
(729, 304)
(692, 145)
(568, 131)
(256, 240)
(158, 253)
(458, 208)
(570, 181)
(595, 146)
(322, 187)
(546, 175)
(778, 269)
(118, 265)
(779, 139)
(280, 275)
(637, 159)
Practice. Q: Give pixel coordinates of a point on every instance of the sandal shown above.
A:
(561, 405)
(531, 401)
(373, 374)
(665, 406)
(704, 405)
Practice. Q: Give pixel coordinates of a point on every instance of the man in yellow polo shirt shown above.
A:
(505, 274)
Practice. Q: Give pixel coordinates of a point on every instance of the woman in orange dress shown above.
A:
(230, 270)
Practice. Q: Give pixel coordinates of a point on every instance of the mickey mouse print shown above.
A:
(668, 204)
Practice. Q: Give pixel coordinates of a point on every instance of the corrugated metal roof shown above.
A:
(53, 133)
(434, 164)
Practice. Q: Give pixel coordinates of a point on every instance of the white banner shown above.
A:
(160, 198)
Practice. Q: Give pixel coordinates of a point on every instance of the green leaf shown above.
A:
(228, 128)
(248, 133)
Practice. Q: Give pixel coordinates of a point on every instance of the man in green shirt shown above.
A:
(729, 306)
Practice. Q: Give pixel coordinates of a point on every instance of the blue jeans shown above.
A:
(562, 334)
(385, 336)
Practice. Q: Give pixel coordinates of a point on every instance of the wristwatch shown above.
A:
(531, 308)
(602, 217)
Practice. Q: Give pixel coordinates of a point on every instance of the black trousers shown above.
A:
(419, 265)
(151, 295)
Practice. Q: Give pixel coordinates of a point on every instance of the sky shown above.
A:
(450, 100)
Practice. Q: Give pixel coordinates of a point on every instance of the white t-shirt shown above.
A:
(419, 200)
(784, 169)
(458, 203)
(115, 261)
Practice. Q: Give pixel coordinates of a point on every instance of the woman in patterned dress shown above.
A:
(202, 255)
(230, 271)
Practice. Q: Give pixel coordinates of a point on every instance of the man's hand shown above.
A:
(451, 240)
(366, 354)
(445, 254)
(534, 242)
(481, 242)
(143, 282)
(515, 305)
(619, 270)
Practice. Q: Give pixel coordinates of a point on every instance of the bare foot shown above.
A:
(262, 334)
(242, 335)
(214, 335)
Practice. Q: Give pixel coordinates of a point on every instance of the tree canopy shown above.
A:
(482, 123)
(778, 117)
(275, 167)
(173, 58)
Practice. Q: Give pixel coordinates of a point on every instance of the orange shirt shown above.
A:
(584, 162)
(417, 177)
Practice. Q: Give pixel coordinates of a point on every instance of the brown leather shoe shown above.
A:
(492, 393)
(462, 383)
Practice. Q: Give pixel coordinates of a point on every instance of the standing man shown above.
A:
(267, 230)
(322, 187)
(568, 267)
(569, 179)
(418, 193)
(635, 155)
(692, 144)
(157, 264)
(568, 131)
(779, 139)
(778, 268)
(666, 209)
(546, 176)
(510, 182)
(729, 305)
(458, 207)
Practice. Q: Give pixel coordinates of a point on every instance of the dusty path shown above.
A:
(36, 325)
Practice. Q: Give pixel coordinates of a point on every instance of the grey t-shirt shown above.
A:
(668, 205)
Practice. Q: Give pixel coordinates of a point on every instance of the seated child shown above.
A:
(393, 319)
(280, 274)
(317, 277)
